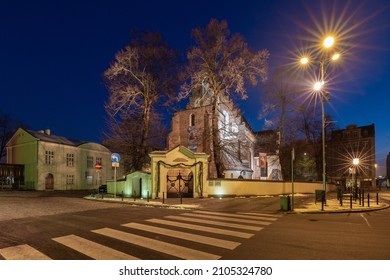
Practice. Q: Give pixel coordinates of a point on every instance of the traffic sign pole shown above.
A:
(115, 158)
(115, 181)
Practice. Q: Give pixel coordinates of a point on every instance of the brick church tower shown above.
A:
(192, 128)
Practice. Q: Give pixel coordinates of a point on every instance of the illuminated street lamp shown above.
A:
(328, 42)
(319, 87)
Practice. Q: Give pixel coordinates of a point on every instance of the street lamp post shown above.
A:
(323, 99)
(355, 163)
(319, 87)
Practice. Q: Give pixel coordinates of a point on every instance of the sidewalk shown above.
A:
(187, 203)
(303, 203)
(333, 205)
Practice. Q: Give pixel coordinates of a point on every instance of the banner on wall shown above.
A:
(263, 164)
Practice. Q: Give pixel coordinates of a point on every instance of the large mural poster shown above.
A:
(192, 143)
(263, 164)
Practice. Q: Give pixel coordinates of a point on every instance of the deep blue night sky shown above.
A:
(53, 54)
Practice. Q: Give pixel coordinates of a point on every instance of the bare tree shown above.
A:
(142, 77)
(8, 126)
(280, 101)
(225, 65)
(310, 126)
(123, 137)
(279, 109)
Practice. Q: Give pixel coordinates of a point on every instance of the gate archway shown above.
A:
(178, 171)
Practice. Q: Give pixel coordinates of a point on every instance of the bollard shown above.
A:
(122, 195)
(148, 196)
(350, 201)
(362, 197)
(181, 198)
(322, 201)
(377, 198)
(163, 198)
(341, 197)
(134, 195)
(368, 200)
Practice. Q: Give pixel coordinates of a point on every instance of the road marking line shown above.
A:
(365, 219)
(202, 228)
(215, 223)
(22, 252)
(156, 245)
(92, 249)
(235, 215)
(186, 236)
(262, 214)
(226, 219)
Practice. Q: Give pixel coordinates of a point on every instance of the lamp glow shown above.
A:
(328, 42)
(304, 60)
(318, 86)
(336, 56)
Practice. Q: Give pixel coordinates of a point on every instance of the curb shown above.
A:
(386, 206)
(146, 204)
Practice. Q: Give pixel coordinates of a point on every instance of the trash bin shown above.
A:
(285, 203)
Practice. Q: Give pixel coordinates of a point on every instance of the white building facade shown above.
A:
(58, 163)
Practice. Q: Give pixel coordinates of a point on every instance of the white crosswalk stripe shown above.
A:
(204, 216)
(186, 236)
(156, 245)
(202, 228)
(22, 252)
(216, 223)
(236, 215)
(92, 249)
(261, 214)
(222, 226)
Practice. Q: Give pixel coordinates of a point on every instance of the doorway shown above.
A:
(49, 182)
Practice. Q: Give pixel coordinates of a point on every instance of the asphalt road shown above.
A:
(65, 226)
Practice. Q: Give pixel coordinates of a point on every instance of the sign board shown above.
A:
(98, 166)
(320, 194)
(115, 157)
(115, 164)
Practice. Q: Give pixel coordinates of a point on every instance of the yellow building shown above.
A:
(58, 163)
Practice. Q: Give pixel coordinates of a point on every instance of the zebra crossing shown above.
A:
(228, 231)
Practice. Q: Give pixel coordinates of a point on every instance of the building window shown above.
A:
(70, 179)
(49, 157)
(70, 160)
(89, 179)
(192, 120)
(89, 162)
(98, 160)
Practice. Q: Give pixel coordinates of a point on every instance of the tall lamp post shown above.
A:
(355, 163)
(320, 87)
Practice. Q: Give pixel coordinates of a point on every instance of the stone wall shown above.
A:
(227, 187)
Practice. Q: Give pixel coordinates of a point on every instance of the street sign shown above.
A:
(115, 157)
(98, 166)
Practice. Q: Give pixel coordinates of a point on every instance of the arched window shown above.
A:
(192, 120)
